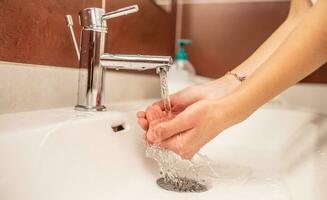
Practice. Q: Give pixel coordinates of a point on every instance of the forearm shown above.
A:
(298, 9)
(303, 52)
(258, 57)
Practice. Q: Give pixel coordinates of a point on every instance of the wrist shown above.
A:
(227, 79)
(231, 110)
(220, 87)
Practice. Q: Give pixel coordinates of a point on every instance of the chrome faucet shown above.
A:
(93, 60)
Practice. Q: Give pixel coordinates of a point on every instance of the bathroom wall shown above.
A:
(41, 69)
(34, 32)
(226, 32)
(26, 87)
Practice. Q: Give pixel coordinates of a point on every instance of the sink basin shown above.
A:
(276, 154)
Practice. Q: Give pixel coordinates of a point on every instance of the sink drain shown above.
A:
(181, 185)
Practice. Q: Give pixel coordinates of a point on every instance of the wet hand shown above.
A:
(187, 132)
(181, 100)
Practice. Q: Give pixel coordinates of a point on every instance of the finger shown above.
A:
(165, 117)
(175, 101)
(160, 104)
(177, 144)
(150, 113)
(154, 113)
(145, 139)
(143, 123)
(140, 114)
(157, 112)
(164, 130)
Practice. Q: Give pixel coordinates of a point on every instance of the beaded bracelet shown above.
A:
(239, 78)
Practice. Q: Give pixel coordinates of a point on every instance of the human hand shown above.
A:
(181, 100)
(187, 132)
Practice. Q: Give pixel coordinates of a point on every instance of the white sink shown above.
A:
(64, 154)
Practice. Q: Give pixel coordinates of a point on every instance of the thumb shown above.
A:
(159, 132)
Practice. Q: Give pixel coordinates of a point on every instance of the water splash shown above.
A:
(176, 173)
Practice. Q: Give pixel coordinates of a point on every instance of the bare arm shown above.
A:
(226, 84)
(298, 9)
(303, 52)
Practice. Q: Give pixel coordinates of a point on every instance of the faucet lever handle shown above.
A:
(121, 12)
(70, 24)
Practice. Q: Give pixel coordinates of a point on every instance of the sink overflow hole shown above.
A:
(118, 128)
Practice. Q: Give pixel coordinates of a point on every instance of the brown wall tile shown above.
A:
(35, 31)
(225, 34)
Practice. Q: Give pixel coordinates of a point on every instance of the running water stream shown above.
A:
(176, 173)
(164, 89)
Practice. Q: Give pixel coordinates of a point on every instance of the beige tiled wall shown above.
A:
(26, 88)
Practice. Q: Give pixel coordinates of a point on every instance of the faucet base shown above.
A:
(90, 109)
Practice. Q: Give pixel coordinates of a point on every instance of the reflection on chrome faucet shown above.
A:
(93, 60)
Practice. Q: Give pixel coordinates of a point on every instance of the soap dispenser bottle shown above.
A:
(182, 73)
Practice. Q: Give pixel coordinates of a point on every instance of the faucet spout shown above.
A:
(93, 61)
(134, 62)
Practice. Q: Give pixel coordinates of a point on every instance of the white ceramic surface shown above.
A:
(63, 154)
